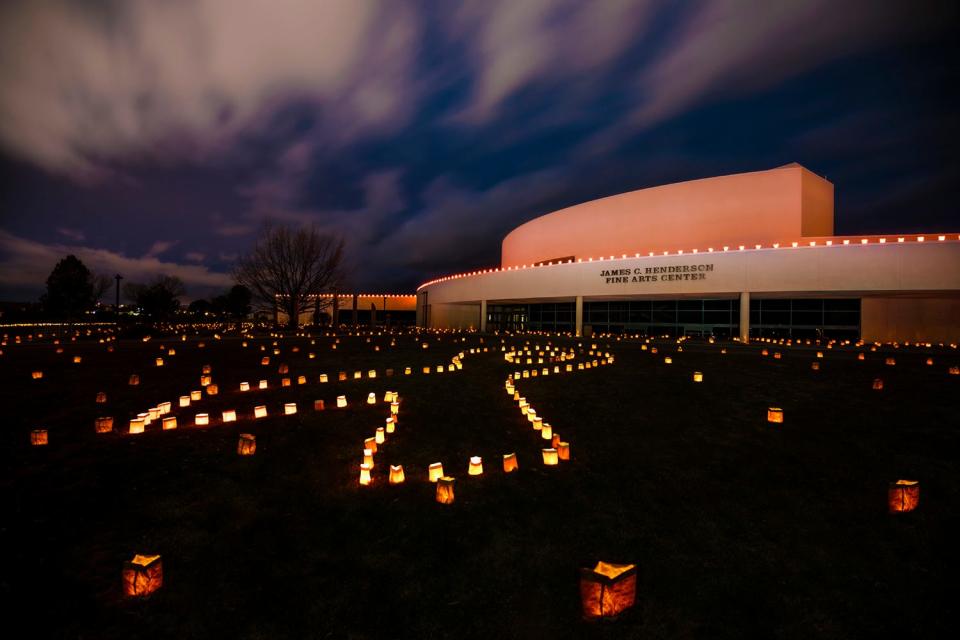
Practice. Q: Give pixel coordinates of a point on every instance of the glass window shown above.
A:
(716, 317)
(717, 305)
(640, 314)
(690, 317)
(806, 304)
(774, 305)
(807, 318)
(770, 317)
(664, 312)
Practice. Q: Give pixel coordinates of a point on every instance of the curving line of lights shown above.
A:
(55, 324)
(833, 242)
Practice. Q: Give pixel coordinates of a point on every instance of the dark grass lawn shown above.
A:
(739, 528)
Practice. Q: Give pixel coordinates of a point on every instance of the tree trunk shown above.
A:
(293, 315)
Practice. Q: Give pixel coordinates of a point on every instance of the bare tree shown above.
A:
(288, 266)
(102, 283)
(159, 299)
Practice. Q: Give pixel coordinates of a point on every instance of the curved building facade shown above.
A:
(748, 208)
(743, 255)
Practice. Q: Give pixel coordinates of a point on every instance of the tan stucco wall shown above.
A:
(778, 205)
(393, 302)
(930, 319)
(455, 316)
(816, 205)
(364, 302)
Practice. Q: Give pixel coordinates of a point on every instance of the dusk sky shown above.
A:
(152, 137)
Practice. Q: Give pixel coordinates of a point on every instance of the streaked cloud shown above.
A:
(89, 86)
(517, 44)
(159, 248)
(73, 234)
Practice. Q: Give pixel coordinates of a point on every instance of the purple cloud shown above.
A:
(514, 44)
(74, 234)
(174, 80)
(159, 247)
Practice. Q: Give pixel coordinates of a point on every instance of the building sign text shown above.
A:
(657, 274)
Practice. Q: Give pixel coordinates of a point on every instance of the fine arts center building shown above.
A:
(748, 255)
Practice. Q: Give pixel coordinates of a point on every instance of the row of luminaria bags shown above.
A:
(445, 485)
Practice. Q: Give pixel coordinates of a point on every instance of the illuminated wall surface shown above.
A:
(766, 234)
(759, 207)
(399, 308)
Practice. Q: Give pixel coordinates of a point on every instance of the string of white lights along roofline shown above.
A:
(835, 241)
(350, 295)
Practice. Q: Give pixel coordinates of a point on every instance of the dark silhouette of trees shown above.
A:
(289, 265)
(218, 306)
(159, 299)
(72, 289)
(233, 305)
(237, 302)
(199, 307)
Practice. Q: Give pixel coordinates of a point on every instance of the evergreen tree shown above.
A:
(70, 289)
